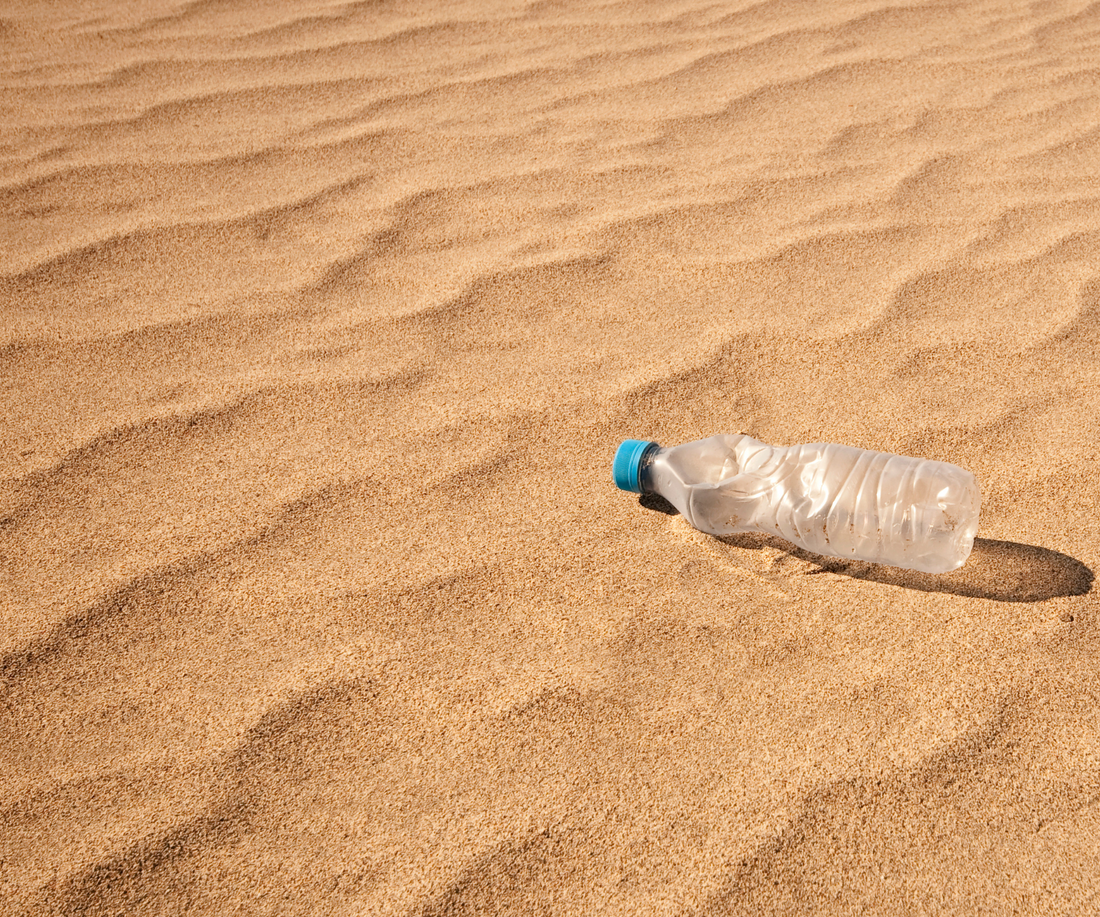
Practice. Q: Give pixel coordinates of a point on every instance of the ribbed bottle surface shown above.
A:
(829, 499)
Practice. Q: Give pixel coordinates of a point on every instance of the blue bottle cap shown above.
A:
(628, 462)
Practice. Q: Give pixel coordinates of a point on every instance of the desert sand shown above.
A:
(321, 325)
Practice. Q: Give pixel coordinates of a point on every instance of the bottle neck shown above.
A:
(646, 482)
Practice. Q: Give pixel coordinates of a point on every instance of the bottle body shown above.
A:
(834, 500)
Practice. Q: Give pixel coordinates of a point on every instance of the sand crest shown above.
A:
(321, 324)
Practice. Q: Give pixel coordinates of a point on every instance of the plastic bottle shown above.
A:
(838, 501)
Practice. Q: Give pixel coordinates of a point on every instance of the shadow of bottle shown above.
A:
(1005, 571)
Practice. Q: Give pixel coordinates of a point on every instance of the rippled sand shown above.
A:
(321, 324)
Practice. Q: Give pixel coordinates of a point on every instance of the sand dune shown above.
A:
(322, 323)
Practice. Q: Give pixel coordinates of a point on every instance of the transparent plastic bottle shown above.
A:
(834, 500)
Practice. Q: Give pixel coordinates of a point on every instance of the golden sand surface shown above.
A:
(321, 324)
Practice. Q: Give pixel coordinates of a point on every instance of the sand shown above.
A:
(321, 325)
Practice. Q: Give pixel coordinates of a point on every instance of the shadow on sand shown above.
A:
(1005, 571)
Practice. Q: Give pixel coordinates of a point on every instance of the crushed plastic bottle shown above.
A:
(833, 500)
